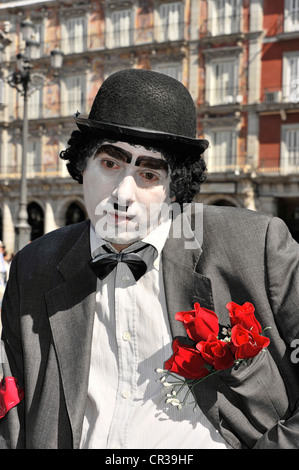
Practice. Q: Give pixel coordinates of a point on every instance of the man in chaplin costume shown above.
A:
(89, 310)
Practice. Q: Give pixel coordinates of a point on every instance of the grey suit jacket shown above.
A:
(48, 313)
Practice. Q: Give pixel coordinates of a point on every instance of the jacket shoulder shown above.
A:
(235, 213)
(231, 225)
(49, 248)
(235, 218)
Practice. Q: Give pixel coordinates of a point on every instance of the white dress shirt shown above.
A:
(125, 407)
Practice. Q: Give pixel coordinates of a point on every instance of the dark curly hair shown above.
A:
(187, 173)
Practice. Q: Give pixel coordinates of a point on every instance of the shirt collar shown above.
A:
(156, 238)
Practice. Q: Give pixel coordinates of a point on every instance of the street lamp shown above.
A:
(22, 81)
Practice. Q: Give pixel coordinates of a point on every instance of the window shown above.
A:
(75, 41)
(35, 104)
(291, 77)
(171, 21)
(222, 82)
(33, 157)
(291, 15)
(225, 16)
(221, 156)
(76, 94)
(39, 38)
(290, 148)
(174, 70)
(120, 29)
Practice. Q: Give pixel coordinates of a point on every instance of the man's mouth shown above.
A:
(118, 217)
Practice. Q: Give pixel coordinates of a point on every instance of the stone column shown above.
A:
(8, 228)
(50, 223)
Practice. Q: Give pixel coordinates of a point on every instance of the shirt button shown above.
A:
(125, 279)
(126, 394)
(126, 336)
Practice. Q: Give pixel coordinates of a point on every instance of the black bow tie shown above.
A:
(103, 264)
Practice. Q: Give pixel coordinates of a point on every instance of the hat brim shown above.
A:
(140, 135)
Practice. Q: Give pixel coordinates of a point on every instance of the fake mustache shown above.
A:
(118, 207)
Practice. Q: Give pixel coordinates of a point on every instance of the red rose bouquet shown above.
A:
(207, 350)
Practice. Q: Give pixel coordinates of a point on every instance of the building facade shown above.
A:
(238, 58)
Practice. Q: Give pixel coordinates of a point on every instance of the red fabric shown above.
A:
(10, 394)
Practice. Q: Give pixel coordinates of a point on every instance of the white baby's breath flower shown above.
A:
(175, 402)
(167, 384)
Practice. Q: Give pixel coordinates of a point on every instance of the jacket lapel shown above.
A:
(71, 307)
(183, 287)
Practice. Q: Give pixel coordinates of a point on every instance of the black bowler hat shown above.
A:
(144, 107)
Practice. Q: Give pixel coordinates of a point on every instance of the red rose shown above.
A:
(186, 361)
(216, 352)
(243, 315)
(10, 394)
(199, 323)
(246, 344)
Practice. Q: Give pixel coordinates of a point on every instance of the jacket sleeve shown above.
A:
(12, 424)
(282, 268)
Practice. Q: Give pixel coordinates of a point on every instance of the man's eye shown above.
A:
(109, 164)
(149, 176)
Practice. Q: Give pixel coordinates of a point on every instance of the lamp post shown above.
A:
(21, 79)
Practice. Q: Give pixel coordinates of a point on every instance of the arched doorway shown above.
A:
(74, 214)
(35, 220)
(288, 211)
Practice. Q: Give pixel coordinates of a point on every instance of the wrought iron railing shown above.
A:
(113, 39)
(286, 165)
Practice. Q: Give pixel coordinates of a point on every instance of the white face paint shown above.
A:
(126, 192)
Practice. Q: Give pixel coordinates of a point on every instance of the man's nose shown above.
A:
(124, 193)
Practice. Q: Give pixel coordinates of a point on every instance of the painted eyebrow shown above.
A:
(126, 156)
(115, 152)
(152, 163)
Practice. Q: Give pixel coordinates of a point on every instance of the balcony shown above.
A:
(288, 165)
(50, 108)
(223, 95)
(286, 94)
(223, 25)
(279, 99)
(34, 171)
(220, 29)
(113, 39)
